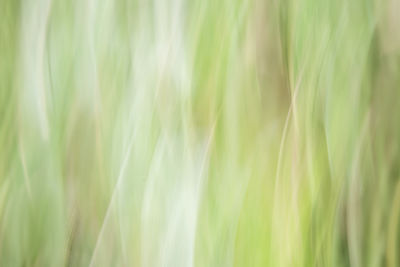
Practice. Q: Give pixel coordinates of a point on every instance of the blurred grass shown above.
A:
(199, 133)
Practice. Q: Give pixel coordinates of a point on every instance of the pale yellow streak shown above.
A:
(353, 215)
(112, 200)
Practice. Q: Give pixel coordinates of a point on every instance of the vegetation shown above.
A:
(199, 133)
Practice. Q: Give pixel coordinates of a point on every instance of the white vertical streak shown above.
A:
(35, 15)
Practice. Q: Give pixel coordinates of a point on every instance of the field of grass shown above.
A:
(204, 133)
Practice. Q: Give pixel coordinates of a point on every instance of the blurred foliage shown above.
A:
(199, 133)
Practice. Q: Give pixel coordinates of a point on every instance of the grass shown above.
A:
(199, 133)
